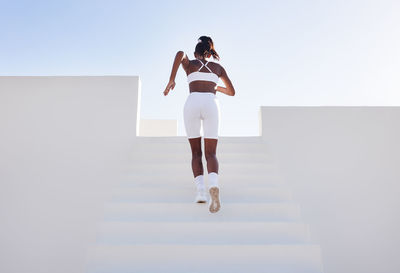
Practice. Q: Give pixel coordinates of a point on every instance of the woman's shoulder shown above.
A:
(217, 67)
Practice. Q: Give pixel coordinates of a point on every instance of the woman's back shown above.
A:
(203, 76)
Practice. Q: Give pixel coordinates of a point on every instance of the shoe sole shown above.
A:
(201, 201)
(215, 204)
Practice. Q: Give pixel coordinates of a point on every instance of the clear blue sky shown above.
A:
(276, 52)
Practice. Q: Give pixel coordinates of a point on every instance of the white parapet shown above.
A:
(75, 156)
(76, 106)
(158, 127)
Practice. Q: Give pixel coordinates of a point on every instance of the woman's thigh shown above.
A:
(211, 118)
(192, 117)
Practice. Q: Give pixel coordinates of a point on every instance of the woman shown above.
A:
(202, 104)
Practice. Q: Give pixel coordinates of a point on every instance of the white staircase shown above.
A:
(151, 223)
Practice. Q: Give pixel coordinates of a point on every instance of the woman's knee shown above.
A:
(210, 155)
(197, 155)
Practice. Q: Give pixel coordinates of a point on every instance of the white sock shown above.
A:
(212, 180)
(199, 181)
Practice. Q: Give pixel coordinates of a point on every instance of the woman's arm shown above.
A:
(229, 89)
(222, 90)
(180, 57)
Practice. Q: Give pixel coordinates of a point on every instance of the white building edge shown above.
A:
(66, 142)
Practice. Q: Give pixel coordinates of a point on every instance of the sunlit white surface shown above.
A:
(64, 139)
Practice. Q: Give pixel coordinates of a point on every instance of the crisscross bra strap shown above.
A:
(203, 76)
(202, 64)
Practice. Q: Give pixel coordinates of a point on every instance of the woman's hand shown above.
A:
(224, 90)
(170, 85)
(220, 89)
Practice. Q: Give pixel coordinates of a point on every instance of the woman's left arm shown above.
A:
(180, 57)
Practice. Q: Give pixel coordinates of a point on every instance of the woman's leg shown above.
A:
(192, 122)
(211, 120)
(211, 131)
(212, 167)
(197, 167)
(210, 154)
(197, 164)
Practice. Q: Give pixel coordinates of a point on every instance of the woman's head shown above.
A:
(205, 48)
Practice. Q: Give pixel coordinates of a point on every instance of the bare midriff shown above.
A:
(202, 86)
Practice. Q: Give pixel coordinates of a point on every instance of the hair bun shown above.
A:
(205, 46)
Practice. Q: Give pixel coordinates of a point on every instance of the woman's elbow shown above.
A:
(233, 91)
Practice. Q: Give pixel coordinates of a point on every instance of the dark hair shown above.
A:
(205, 46)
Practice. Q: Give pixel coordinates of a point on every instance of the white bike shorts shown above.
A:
(201, 106)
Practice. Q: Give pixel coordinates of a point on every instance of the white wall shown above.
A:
(343, 165)
(62, 140)
(158, 127)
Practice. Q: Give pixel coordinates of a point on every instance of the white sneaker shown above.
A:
(215, 203)
(201, 196)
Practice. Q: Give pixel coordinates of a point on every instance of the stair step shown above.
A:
(186, 178)
(203, 233)
(173, 167)
(303, 258)
(229, 194)
(152, 224)
(183, 139)
(136, 212)
(222, 148)
(161, 156)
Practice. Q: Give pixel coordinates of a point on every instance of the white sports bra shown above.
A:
(203, 76)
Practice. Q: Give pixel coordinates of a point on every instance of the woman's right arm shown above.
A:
(180, 57)
(229, 89)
